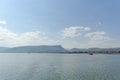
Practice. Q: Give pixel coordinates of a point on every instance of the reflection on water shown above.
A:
(59, 67)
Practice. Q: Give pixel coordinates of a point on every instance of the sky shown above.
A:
(70, 23)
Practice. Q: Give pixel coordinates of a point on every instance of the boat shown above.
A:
(90, 53)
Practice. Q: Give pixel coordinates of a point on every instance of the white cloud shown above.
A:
(96, 39)
(74, 31)
(9, 38)
(87, 39)
(3, 22)
(6, 34)
(98, 36)
(87, 28)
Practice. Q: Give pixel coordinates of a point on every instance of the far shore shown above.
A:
(90, 53)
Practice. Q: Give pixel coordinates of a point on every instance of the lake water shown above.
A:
(59, 67)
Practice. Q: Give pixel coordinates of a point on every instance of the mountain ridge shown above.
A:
(35, 49)
(55, 49)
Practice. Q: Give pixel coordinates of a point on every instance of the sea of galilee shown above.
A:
(34, 66)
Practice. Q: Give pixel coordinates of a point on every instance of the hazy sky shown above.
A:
(71, 23)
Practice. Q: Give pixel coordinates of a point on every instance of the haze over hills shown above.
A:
(96, 50)
(3, 48)
(35, 49)
(55, 49)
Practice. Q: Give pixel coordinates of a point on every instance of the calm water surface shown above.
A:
(59, 67)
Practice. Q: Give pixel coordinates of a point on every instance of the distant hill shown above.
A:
(35, 49)
(96, 50)
(3, 48)
(56, 49)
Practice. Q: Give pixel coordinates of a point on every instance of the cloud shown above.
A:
(97, 39)
(98, 36)
(6, 34)
(3, 22)
(9, 38)
(74, 31)
(87, 28)
(87, 39)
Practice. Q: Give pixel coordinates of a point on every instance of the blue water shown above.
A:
(59, 67)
